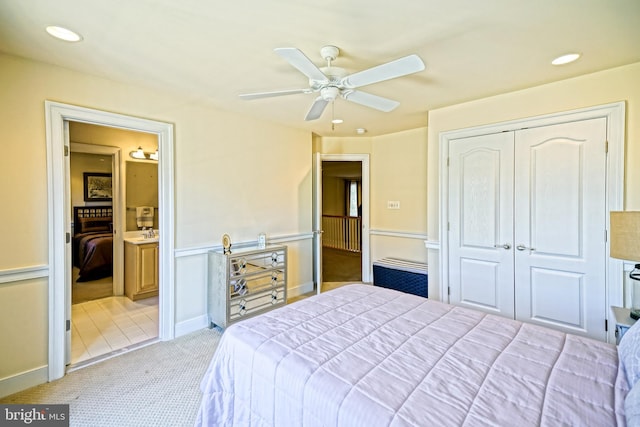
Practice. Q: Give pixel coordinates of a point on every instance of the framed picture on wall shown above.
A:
(97, 187)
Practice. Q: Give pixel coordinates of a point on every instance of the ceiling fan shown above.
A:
(331, 82)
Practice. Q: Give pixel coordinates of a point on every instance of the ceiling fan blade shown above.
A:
(316, 109)
(398, 68)
(257, 95)
(370, 100)
(303, 64)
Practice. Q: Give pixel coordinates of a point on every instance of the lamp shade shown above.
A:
(625, 235)
(138, 154)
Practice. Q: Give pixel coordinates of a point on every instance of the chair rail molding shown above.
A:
(13, 275)
(400, 234)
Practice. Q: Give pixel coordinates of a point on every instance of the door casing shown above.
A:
(56, 115)
(318, 158)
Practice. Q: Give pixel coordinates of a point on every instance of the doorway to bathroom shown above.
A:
(58, 116)
(107, 316)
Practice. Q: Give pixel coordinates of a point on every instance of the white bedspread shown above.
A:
(368, 356)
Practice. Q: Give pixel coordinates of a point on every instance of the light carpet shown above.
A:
(157, 385)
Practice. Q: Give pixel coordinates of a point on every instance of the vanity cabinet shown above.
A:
(140, 270)
(245, 283)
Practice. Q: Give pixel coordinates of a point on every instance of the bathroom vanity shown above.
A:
(140, 267)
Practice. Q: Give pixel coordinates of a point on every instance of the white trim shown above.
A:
(273, 240)
(23, 381)
(301, 289)
(24, 273)
(432, 244)
(366, 248)
(56, 114)
(400, 234)
(288, 238)
(615, 115)
(187, 326)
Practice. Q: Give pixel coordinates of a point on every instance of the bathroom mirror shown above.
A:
(141, 190)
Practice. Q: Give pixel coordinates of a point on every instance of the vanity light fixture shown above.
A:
(565, 59)
(140, 154)
(63, 33)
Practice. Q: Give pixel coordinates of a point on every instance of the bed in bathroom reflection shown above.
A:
(92, 249)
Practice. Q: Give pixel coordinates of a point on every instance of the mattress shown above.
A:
(368, 356)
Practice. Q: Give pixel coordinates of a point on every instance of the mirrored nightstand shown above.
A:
(623, 322)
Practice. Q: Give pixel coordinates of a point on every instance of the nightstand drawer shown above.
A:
(623, 322)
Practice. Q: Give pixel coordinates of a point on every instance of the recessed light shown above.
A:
(565, 59)
(63, 33)
(361, 131)
(337, 121)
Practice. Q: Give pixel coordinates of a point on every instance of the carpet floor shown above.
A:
(341, 266)
(156, 385)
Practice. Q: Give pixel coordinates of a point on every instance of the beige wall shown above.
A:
(333, 196)
(225, 182)
(618, 84)
(397, 173)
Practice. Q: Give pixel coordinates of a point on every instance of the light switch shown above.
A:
(393, 204)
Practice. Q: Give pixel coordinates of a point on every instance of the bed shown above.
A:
(368, 356)
(93, 242)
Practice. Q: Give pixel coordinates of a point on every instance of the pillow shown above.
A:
(629, 354)
(95, 223)
(632, 406)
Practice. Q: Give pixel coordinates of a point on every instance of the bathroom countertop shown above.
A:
(137, 237)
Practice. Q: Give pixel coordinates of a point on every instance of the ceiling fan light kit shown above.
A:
(333, 82)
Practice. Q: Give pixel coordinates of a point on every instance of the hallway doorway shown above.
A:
(341, 220)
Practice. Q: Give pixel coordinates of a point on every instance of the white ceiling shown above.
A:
(211, 51)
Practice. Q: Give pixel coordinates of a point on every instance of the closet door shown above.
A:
(560, 212)
(481, 223)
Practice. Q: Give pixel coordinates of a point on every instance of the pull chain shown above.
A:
(333, 123)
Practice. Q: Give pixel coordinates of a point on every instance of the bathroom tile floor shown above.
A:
(108, 325)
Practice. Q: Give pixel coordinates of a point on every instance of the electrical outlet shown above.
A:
(393, 204)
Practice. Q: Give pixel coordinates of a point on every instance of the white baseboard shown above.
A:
(23, 381)
(201, 322)
(303, 288)
(192, 325)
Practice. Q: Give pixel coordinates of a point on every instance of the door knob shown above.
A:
(523, 248)
(505, 246)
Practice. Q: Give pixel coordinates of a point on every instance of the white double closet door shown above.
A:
(527, 224)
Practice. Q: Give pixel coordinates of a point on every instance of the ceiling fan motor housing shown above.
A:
(329, 93)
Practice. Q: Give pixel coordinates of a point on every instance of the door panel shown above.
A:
(556, 297)
(480, 283)
(555, 173)
(480, 226)
(560, 226)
